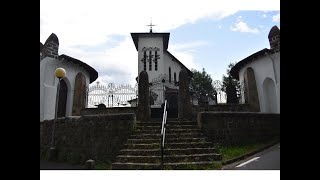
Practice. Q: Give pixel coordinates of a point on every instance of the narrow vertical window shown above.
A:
(175, 77)
(150, 60)
(156, 57)
(169, 74)
(145, 60)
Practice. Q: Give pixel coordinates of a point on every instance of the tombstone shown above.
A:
(144, 112)
(184, 107)
(251, 93)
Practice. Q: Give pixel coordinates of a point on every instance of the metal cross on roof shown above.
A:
(151, 26)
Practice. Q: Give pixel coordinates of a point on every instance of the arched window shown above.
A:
(269, 93)
(62, 102)
(175, 77)
(145, 60)
(150, 60)
(251, 92)
(169, 74)
(156, 61)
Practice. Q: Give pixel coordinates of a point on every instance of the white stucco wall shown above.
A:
(163, 63)
(175, 67)
(48, 85)
(151, 42)
(267, 66)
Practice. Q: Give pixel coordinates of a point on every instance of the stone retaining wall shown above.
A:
(113, 110)
(78, 139)
(239, 127)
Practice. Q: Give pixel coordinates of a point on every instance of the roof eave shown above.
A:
(92, 72)
(235, 69)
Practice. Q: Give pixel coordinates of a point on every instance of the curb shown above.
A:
(250, 153)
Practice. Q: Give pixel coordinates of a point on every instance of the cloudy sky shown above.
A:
(203, 33)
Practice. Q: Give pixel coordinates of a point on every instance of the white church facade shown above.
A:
(260, 75)
(162, 67)
(72, 93)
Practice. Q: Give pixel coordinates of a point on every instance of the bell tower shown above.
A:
(151, 47)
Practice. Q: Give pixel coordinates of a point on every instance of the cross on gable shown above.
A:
(151, 26)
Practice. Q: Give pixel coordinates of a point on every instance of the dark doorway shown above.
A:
(172, 97)
(62, 99)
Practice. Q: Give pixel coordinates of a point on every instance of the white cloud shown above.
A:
(185, 52)
(242, 26)
(276, 18)
(93, 23)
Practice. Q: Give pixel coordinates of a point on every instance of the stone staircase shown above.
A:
(186, 147)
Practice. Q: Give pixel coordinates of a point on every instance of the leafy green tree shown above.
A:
(201, 83)
(230, 86)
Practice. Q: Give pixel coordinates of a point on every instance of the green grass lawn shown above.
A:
(234, 151)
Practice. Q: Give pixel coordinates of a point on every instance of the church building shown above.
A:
(259, 74)
(162, 67)
(72, 91)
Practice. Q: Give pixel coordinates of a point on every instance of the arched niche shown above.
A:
(62, 103)
(251, 92)
(79, 95)
(269, 94)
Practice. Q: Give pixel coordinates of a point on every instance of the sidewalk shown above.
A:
(48, 165)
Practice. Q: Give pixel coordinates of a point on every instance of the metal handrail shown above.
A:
(163, 131)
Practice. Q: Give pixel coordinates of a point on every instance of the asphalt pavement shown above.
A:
(268, 159)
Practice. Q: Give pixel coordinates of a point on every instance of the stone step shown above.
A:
(182, 123)
(188, 145)
(190, 151)
(153, 123)
(168, 136)
(183, 165)
(157, 151)
(169, 131)
(134, 166)
(169, 145)
(148, 123)
(171, 140)
(141, 152)
(143, 146)
(161, 118)
(204, 165)
(169, 158)
(169, 126)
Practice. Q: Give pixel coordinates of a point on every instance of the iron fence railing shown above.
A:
(163, 132)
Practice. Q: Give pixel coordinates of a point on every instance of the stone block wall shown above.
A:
(77, 139)
(239, 127)
(113, 110)
(224, 107)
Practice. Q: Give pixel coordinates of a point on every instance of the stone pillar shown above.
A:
(51, 47)
(184, 104)
(251, 92)
(143, 113)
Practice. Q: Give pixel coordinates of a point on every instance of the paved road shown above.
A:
(47, 165)
(265, 160)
